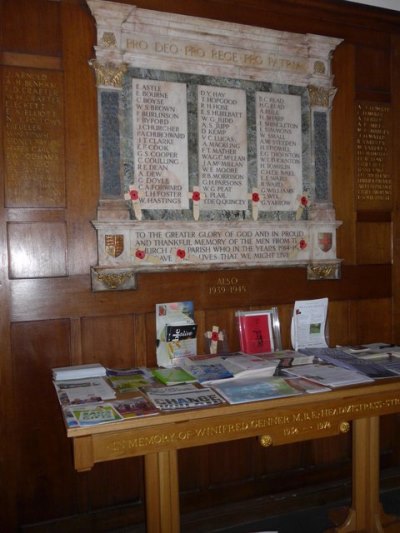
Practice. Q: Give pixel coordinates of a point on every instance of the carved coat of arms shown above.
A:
(114, 245)
(325, 241)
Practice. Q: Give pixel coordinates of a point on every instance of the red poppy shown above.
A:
(140, 254)
(134, 194)
(304, 201)
(302, 244)
(196, 196)
(181, 253)
(214, 336)
(255, 197)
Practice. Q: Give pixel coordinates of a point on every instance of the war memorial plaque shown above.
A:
(213, 154)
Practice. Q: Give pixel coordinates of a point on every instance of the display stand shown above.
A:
(273, 422)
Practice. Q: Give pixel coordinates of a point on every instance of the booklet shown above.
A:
(256, 331)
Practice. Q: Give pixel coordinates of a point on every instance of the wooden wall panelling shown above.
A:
(32, 26)
(37, 250)
(119, 328)
(81, 162)
(372, 320)
(7, 407)
(41, 298)
(42, 457)
(343, 66)
(109, 341)
(372, 73)
(395, 80)
(374, 242)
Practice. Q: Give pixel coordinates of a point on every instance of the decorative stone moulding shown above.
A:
(214, 146)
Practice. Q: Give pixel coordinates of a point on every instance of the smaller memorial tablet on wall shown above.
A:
(160, 143)
(373, 156)
(222, 150)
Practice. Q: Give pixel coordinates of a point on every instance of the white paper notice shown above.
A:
(308, 324)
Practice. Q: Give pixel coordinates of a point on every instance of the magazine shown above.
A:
(215, 367)
(287, 358)
(81, 391)
(130, 379)
(253, 389)
(173, 376)
(306, 386)
(187, 396)
(246, 365)
(134, 407)
(206, 368)
(90, 415)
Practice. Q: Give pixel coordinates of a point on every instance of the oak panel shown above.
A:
(374, 243)
(37, 250)
(36, 348)
(109, 341)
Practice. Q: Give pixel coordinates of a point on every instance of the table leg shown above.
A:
(366, 512)
(162, 492)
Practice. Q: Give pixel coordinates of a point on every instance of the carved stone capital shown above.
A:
(109, 74)
(321, 96)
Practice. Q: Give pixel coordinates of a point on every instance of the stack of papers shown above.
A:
(93, 370)
(327, 375)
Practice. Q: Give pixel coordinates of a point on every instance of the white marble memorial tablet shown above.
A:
(160, 143)
(222, 148)
(279, 151)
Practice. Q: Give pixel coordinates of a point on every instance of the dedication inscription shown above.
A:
(160, 143)
(222, 147)
(279, 150)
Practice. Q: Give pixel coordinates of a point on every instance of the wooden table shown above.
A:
(274, 422)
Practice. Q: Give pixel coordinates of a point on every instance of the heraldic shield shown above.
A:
(114, 245)
(325, 241)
